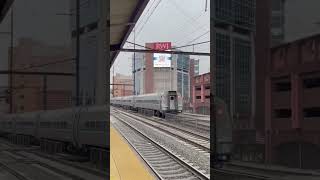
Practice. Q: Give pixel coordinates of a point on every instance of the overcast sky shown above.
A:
(176, 21)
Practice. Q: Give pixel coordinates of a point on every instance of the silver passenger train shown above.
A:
(79, 128)
(159, 103)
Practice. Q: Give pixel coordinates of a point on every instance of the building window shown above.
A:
(282, 113)
(282, 86)
(311, 112)
(198, 97)
(311, 83)
(276, 5)
(198, 88)
(92, 26)
(207, 87)
(276, 21)
(207, 97)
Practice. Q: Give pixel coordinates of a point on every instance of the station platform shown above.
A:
(124, 161)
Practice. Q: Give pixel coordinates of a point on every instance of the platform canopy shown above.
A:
(123, 16)
(4, 8)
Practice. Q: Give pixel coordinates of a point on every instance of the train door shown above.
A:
(172, 96)
(75, 130)
(172, 103)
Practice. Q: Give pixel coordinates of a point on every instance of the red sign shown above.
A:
(162, 46)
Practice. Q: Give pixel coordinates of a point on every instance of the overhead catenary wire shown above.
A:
(47, 64)
(182, 27)
(137, 34)
(192, 20)
(188, 45)
(198, 29)
(199, 37)
(143, 17)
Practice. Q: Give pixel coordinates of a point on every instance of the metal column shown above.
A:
(11, 61)
(44, 92)
(77, 51)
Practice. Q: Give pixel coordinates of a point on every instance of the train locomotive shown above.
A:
(160, 103)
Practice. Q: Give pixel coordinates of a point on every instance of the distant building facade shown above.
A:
(201, 94)
(123, 85)
(151, 77)
(29, 92)
(196, 67)
(189, 107)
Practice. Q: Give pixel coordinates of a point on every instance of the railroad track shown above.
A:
(12, 171)
(228, 174)
(181, 126)
(195, 122)
(175, 125)
(200, 116)
(164, 163)
(28, 163)
(194, 139)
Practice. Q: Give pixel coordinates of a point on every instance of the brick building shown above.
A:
(201, 94)
(123, 85)
(292, 104)
(29, 90)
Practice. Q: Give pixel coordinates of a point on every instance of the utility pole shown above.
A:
(113, 82)
(11, 61)
(77, 51)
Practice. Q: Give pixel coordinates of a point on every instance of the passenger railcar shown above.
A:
(57, 125)
(7, 123)
(92, 128)
(79, 128)
(159, 103)
(26, 124)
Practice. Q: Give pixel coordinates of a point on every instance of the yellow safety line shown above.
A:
(124, 163)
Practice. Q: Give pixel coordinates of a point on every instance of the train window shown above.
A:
(65, 125)
(311, 112)
(282, 113)
(282, 86)
(311, 83)
(92, 124)
(87, 124)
